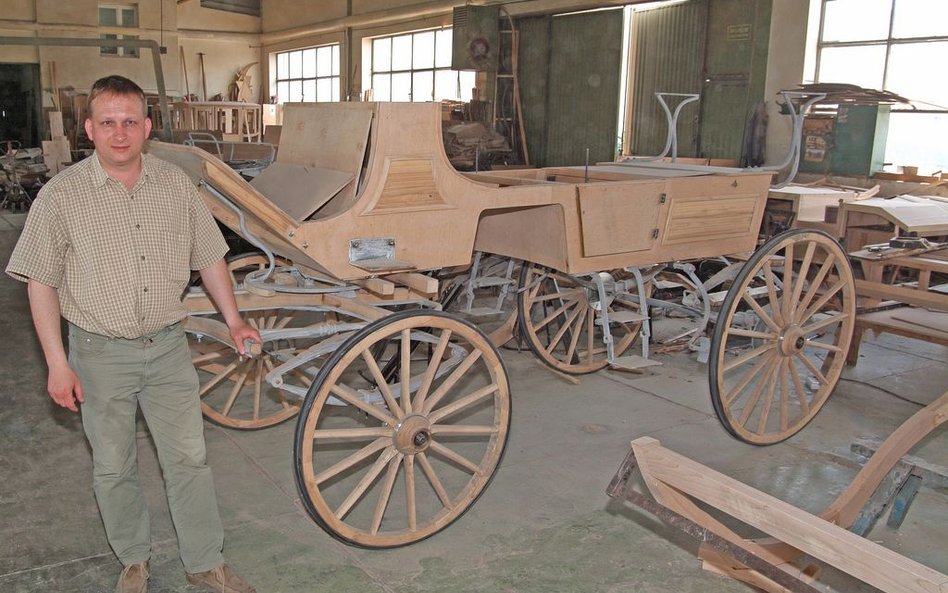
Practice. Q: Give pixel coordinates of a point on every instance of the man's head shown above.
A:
(116, 85)
(117, 123)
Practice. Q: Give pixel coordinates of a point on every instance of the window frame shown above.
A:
(334, 76)
(888, 42)
(120, 51)
(412, 70)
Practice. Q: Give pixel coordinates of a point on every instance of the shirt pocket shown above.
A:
(175, 259)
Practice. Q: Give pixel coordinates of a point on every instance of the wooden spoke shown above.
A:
(447, 453)
(564, 334)
(433, 365)
(749, 375)
(367, 480)
(355, 434)
(804, 303)
(405, 370)
(771, 283)
(798, 386)
(359, 468)
(219, 377)
(386, 494)
(761, 396)
(410, 501)
(350, 396)
(382, 384)
(238, 385)
(363, 453)
(433, 480)
(748, 356)
(459, 405)
(456, 429)
(452, 379)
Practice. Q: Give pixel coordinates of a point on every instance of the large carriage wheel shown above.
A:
(562, 322)
(383, 463)
(781, 337)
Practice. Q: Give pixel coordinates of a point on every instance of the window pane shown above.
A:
(107, 17)
(401, 52)
(468, 82)
(109, 51)
(382, 55)
(917, 139)
(920, 18)
(401, 86)
(335, 88)
(335, 60)
(324, 61)
(443, 40)
(129, 17)
(910, 72)
(283, 92)
(296, 91)
(309, 63)
(130, 51)
(853, 65)
(381, 87)
(324, 91)
(309, 91)
(283, 66)
(446, 85)
(423, 51)
(422, 86)
(296, 64)
(856, 20)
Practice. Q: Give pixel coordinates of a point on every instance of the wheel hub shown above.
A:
(792, 340)
(412, 435)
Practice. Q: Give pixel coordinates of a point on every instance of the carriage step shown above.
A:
(491, 281)
(623, 317)
(633, 362)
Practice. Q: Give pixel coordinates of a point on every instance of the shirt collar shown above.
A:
(100, 176)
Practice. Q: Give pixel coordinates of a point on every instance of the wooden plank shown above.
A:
(911, 296)
(912, 213)
(863, 559)
(618, 222)
(56, 125)
(847, 505)
(300, 191)
(424, 284)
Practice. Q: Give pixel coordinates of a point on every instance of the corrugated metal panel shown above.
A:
(533, 77)
(583, 91)
(668, 53)
(738, 36)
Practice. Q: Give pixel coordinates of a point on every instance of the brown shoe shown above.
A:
(134, 579)
(221, 580)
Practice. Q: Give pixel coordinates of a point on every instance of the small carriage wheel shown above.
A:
(560, 320)
(781, 338)
(381, 464)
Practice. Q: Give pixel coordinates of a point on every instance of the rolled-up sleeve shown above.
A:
(41, 249)
(207, 243)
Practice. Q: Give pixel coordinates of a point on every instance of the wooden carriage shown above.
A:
(404, 408)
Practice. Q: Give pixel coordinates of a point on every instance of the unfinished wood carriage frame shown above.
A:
(362, 203)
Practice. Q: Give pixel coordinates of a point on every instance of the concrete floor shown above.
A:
(544, 524)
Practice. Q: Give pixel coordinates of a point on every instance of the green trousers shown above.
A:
(156, 373)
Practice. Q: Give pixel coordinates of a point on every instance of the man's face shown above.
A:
(118, 128)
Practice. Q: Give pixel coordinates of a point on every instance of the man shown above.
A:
(109, 245)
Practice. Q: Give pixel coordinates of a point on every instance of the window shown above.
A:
(118, 15)
(310, 75)
(417, 67)
(893, 45)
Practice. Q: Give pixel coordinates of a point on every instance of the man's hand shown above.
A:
(240, 332)
(64, 387)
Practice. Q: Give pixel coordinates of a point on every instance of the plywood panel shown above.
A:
(409, 183)
(619, 221)
(300, 190)
(709, 217)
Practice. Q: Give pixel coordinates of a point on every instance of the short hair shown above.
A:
(116, 85)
